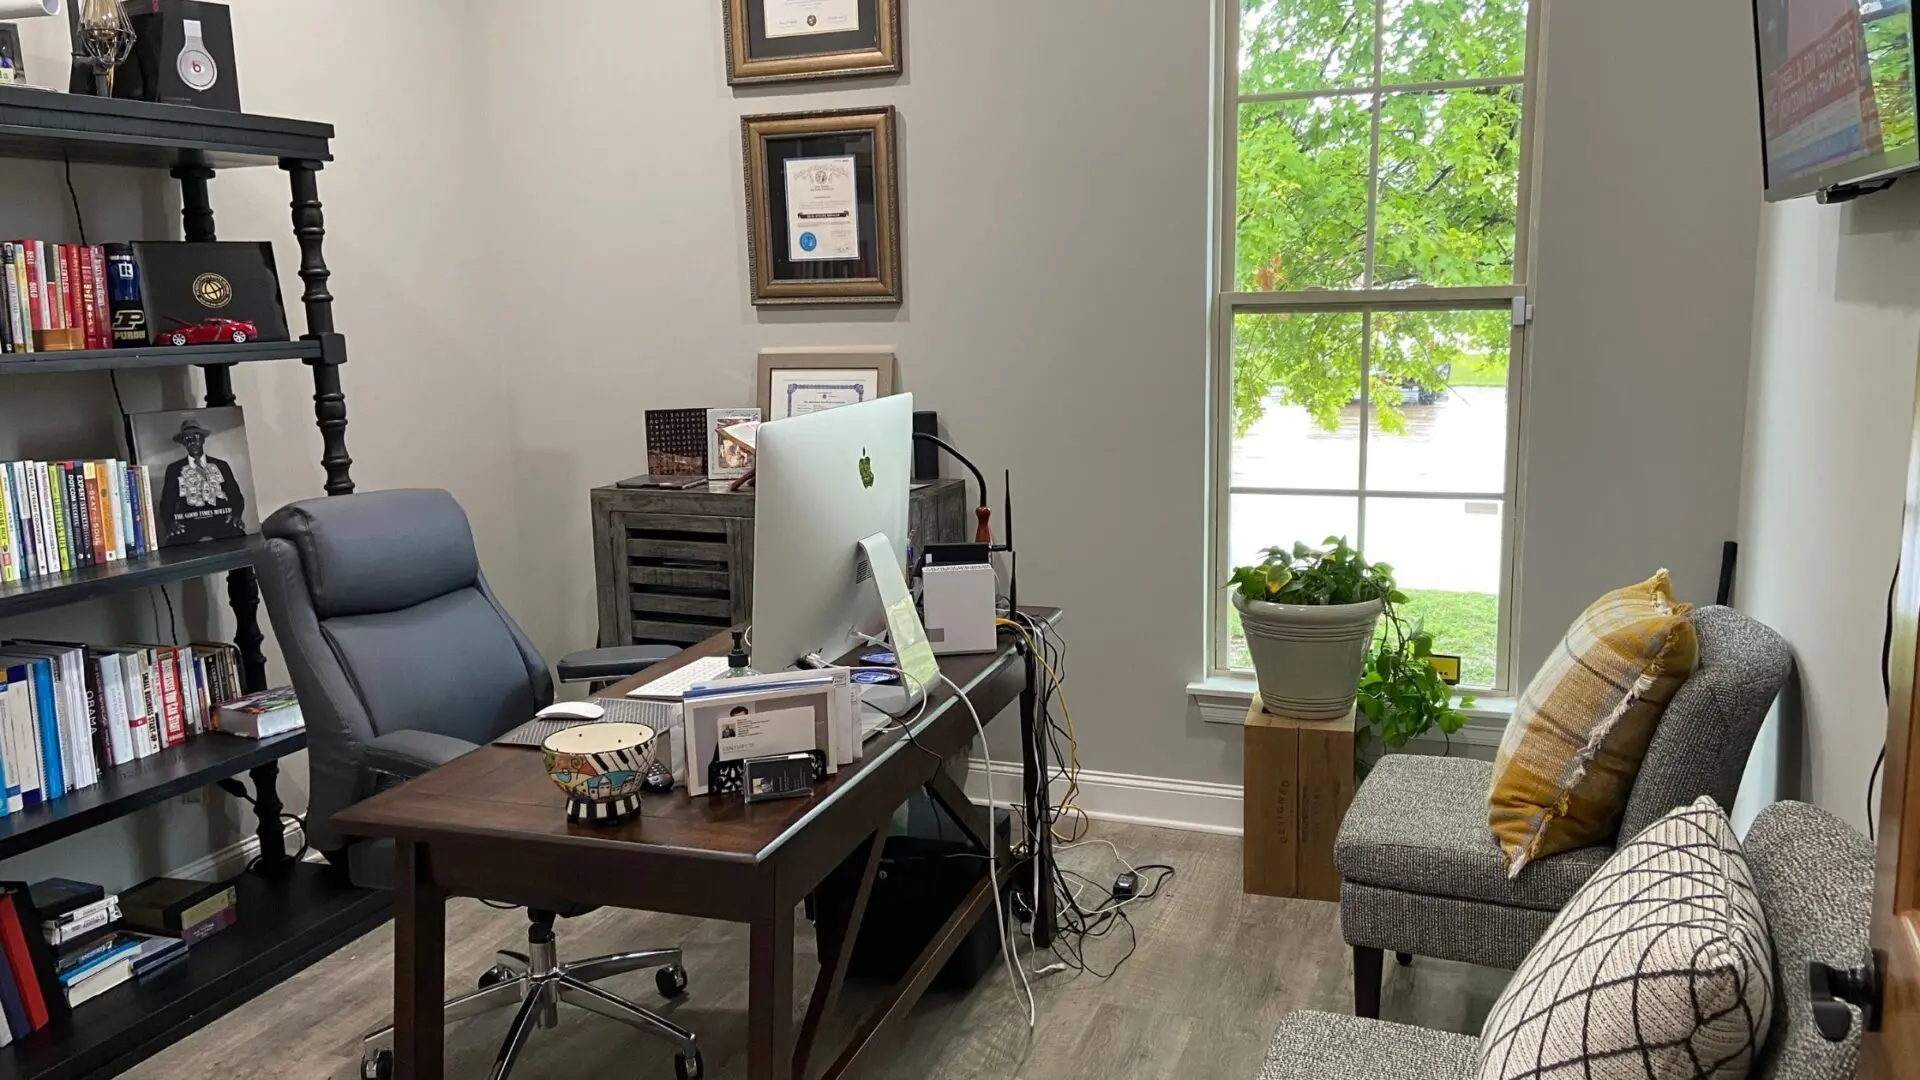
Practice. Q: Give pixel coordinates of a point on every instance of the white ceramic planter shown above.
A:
(1308, 659)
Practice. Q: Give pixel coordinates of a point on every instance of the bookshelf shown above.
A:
(290, 913)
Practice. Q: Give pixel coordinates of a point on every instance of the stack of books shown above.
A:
(180, 909)
(81, 923)
(262, 715)
(54, 287)
(61, 516)
(68, 712)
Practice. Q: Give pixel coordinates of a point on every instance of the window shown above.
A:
(1370, 330)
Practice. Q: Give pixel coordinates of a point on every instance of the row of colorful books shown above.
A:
(69, 711)
(59, 516)
(53, 286)
(65, 942)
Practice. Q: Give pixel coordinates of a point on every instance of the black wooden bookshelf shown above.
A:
(290, 913)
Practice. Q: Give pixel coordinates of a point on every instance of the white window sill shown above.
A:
(1223, 699)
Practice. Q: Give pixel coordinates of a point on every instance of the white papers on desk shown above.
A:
(706, 707)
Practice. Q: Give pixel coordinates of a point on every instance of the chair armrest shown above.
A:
(608, 665)
(407, 754)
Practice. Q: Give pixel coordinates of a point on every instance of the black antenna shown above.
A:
(1013, 560)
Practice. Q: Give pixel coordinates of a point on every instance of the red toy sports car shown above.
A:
(210, 332)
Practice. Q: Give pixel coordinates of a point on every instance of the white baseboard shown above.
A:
(1137, 800)
(232, 860)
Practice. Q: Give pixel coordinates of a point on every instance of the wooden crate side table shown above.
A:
(674, 567)
(1298, 783)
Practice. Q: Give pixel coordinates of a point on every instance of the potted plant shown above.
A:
(1402, 695)
(1309, 615)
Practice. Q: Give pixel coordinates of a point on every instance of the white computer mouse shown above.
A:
(571, 710)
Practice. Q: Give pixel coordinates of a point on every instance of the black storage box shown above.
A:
(210, 293)
(919, 885)
(182, 55)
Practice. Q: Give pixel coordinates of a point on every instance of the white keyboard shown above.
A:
(671, 686)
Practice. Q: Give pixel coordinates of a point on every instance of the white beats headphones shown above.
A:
(195, 64)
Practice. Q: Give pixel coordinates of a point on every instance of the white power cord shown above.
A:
(993, 879)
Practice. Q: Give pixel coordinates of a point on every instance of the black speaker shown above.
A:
(926, 456)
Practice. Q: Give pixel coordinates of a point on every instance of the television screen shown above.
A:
(1837, 92)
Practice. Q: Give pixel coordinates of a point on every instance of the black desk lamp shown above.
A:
(983, 514)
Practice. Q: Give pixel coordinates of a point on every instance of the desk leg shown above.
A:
(419, 966)
(837, 931)
(770, 991)
(1034, 779)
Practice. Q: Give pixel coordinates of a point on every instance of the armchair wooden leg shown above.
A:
(1366, 982)
(1405, 959)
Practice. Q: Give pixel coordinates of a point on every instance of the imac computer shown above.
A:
(824, 482)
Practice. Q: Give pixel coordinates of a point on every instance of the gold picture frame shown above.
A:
(822, 375)
(788, 265)
(756, 54)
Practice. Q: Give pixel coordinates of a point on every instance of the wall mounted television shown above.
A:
(1837, 96)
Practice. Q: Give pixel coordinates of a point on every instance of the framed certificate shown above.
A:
(785, 40)
(794, 383)
(823, 218)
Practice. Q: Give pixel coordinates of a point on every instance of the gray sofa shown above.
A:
(1421, 874)
(1814, 875)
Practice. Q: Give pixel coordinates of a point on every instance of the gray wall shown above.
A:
(1830, 416)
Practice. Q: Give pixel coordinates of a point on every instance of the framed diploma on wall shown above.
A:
(794, 382)
(783, 40)
(823, 213)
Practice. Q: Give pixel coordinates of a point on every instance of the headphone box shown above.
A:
(211, 293)
(182, 55)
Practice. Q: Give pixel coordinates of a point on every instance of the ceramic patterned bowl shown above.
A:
(601, 768)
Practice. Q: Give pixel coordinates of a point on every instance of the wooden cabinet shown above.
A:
(673, 567)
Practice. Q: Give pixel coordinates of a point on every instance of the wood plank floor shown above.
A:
(1213, 973)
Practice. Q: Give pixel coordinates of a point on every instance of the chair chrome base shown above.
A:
(539, 985)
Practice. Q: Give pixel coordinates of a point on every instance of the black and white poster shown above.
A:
(200, 472)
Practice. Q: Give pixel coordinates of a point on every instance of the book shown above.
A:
(85, 921)
(57, 897)
(210, 925)
(202, 483)
(102, 303)
(30, 959)
(157, 953)
(89, 297)
(13, 1009)
(84, 950)
(8, 572)
(80, 768)
(113, 688)
(99, 980)
(262, 715)
(43, 722)
(169, 906)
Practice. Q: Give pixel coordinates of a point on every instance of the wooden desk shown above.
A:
(491, 824)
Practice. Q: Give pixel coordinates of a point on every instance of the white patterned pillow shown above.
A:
(1659, 968)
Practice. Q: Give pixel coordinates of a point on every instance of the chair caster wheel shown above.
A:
(689, 1066)
(672, 982)
(377, 1066)
(495, 975)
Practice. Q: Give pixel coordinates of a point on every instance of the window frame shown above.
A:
(1226, 302)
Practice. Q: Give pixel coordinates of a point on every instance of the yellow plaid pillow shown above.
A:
(1567, 762)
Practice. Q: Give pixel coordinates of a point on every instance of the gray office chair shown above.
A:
(403, 661)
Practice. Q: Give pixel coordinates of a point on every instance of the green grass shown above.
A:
(1480, 371)
(1464, 624)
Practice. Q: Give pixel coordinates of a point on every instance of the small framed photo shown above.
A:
(823, 207)
(15, 68)
(794, 383)
(788, 40)
(729, 459)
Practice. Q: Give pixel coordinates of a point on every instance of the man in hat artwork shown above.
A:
(199, 498)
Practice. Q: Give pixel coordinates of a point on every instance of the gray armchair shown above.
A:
(1814, 877)
(1421, 875)
(404, 660)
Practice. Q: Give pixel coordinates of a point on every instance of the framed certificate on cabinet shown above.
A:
(823, 216)
(783, 40)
